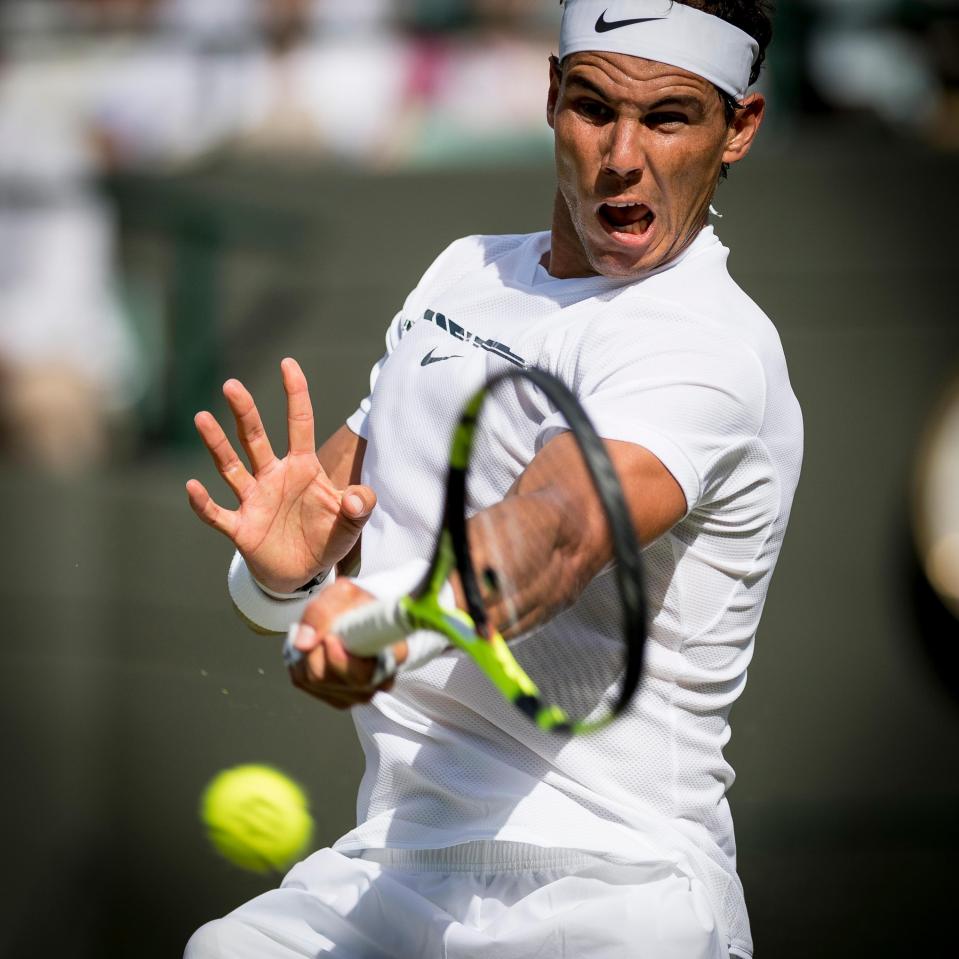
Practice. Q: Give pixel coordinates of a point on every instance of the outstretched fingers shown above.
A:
(249, 426)
(229, 465)
(224, 520)
(299, 409)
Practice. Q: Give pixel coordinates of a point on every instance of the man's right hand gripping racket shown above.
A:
(565, 652)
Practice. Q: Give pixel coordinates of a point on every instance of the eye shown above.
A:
(594, 109)
(668, 121)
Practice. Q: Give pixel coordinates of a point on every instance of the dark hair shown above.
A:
(751, 16)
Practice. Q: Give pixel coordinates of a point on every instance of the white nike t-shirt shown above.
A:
(682, 363)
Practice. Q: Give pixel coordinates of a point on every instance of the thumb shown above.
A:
(356, 505)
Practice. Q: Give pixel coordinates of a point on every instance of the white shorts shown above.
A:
(480, 900)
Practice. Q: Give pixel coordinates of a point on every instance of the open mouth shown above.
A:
(622, 216)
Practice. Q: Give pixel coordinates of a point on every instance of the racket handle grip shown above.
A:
(367, 630)
(371, 630)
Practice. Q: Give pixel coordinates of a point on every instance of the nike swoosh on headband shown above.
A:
(604, 26)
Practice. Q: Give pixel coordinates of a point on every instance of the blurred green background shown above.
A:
(128, 681)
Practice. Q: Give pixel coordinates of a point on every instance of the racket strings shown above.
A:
(565, 625)
(573, 662)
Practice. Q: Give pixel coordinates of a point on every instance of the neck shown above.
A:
(565, 259)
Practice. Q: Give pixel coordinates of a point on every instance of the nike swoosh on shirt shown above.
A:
(429, 358)
(604, 26)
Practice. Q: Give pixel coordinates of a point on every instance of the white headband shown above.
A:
(663, 31)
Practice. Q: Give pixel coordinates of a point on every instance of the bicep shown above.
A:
(655, 499)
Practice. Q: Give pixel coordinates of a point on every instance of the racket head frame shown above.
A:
(497, 661)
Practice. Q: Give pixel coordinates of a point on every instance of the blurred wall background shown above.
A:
(193, 191)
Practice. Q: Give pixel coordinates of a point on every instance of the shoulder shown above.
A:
(696, 305)
(465, 257)
(701, 289)
(640, 346)
(645, 321)
(476, 252)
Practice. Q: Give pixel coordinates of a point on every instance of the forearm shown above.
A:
(550, 536)
(543, 548)
(341, 457)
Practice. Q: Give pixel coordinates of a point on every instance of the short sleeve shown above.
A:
(358, 421)
(676, 385)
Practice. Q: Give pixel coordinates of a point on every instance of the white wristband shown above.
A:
(271, 611)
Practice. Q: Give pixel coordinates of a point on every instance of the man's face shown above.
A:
(639, 147)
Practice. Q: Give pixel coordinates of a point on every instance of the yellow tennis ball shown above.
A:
(257, 817)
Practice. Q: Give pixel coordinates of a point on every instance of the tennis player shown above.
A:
(479, 835)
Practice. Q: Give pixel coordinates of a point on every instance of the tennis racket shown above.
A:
(572, 664)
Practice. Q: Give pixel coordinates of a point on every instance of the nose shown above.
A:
(624, 154)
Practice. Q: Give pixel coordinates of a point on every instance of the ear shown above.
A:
(555, 81)
(745, 126)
